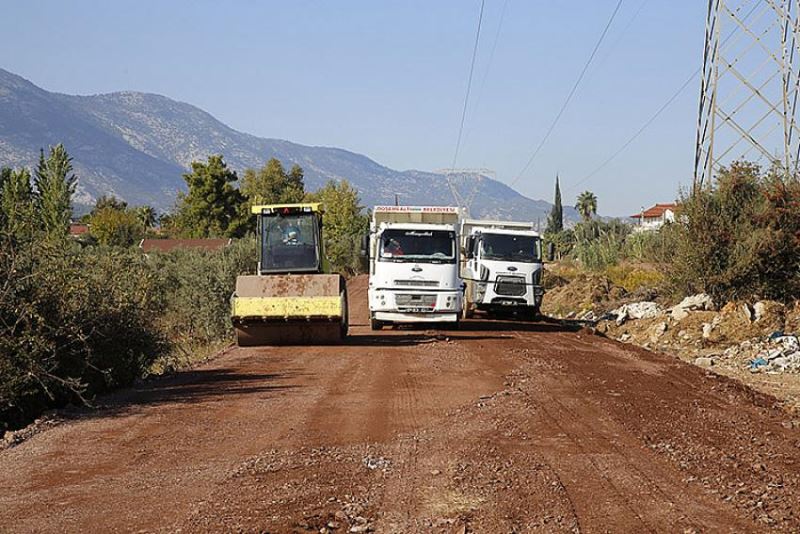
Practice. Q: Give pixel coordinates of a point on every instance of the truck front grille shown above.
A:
(415, 301)
(417, 283)
(511, 286)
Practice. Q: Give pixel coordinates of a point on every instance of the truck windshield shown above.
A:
(435, 246)
(506, 247)
(289, 243)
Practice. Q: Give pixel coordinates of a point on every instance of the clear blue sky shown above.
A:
(387, 78)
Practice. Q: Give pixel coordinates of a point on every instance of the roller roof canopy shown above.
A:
(311, 206)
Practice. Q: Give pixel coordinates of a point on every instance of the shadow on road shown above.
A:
(419, 333)
(511, 325)
(406, 338)
(189, 387)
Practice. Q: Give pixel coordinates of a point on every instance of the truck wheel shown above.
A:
(375, 324)
(467, 311)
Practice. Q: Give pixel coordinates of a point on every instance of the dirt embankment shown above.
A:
(750, 341)
(499, 427)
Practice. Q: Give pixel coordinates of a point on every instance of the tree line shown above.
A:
(736, 238)
(82, 316)
(217, 205)
(214, 207)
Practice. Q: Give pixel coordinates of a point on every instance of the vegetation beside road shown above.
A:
(737, 238)
(83, 316)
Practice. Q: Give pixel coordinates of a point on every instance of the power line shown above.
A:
(639, 131)
(469, 84)
(482, 88)
(491, 54)
(664, 106)
(570, 95)
(613, 46)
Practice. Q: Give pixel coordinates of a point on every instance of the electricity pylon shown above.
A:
(749, 86)
(464, 185)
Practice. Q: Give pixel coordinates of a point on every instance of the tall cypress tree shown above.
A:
(55, 185)
(555, 222)
(16, 204)
(5, 175)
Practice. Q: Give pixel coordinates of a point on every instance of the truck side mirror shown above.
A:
(364, 245)
(470, 247)
(551, 251)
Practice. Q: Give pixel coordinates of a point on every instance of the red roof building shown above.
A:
(652, 218)
(78, 229)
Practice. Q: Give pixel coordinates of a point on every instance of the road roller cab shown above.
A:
(293, 298)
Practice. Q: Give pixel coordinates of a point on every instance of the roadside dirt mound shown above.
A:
(750, 342)
(733, 324)
(552, 280)
(738, 321)
(793, 318)
(742, 340)
(590, 296)
(582, 293)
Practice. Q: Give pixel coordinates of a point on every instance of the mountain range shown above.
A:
(136, 146)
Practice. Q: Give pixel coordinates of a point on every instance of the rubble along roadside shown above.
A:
(757, 343)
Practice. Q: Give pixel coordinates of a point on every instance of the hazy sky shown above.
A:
(387, 78)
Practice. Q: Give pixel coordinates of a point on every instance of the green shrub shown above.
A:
(72, 324)
(598, 244)
(563, 241)
(75, 322)
(633, 278)
(649, 247)
(739, 238)
(196, 286)
(116, 227)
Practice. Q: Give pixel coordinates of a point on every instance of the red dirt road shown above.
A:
(500, 427)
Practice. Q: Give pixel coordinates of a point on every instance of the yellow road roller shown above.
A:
(293, 299)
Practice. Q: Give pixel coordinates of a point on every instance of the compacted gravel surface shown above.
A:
(498, 427)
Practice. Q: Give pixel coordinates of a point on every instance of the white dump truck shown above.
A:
(414, 266)
(501, 266)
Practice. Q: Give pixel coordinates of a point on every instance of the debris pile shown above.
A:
(376, 462)
(782, 355)
(752, 341)
(739, 335)
(697, 302)
(637, 310)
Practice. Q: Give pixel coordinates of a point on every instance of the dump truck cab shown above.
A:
(413, 257)
(293, 298)
(501, 267)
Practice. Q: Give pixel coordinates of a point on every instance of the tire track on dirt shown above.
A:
(591, 450)
(499, 427)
